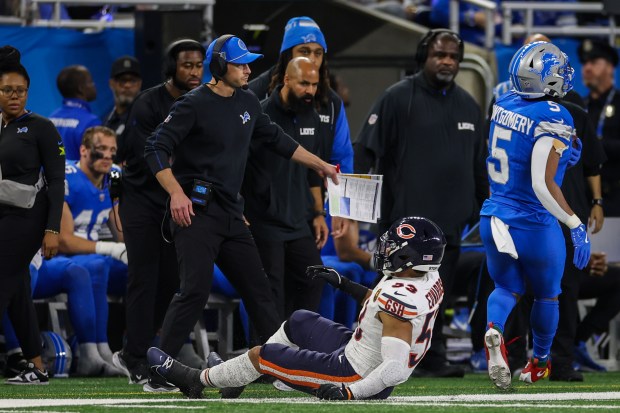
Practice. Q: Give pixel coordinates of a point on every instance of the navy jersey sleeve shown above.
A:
(52, 155)
(177, 125)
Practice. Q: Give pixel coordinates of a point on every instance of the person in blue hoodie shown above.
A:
(77, 88)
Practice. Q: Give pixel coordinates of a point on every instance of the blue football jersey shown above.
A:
(90, 206)
(516, 125)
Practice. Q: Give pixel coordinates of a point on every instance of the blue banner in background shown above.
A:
(45, 51)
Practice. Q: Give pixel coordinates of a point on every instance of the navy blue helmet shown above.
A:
(411, 242)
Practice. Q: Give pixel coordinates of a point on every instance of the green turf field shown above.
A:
(600, 392)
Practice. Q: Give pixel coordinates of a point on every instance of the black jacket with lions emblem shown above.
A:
(278, 202)
(430, 147)
(208, 136)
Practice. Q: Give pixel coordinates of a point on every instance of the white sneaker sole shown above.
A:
(280, 385)
(499, 372)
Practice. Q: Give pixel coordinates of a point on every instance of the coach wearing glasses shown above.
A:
(32, 162)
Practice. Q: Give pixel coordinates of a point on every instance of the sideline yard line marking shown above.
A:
(465, 398)
(428, 404)
(150, 406)
(35, 411)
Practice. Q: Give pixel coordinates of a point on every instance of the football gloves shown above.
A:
(581, 242)
(575, 153)
(329, 274)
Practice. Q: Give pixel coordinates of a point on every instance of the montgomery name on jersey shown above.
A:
(415, 300)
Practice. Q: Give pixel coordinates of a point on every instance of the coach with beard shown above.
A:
(281, 196)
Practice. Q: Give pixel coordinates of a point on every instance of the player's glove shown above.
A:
(331, 276)
(330, 391)
(581, 242)
(327, 273)
(113, 249)
(575, 153)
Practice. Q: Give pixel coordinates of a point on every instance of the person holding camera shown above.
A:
(31, 183)
(153, 271)
(208, 132)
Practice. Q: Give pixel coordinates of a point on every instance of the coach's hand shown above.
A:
(329, 274)
(330, 391)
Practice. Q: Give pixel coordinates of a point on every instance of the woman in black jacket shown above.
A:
(32, 162)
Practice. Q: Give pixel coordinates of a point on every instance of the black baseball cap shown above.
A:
(593, 49)
(125, 64)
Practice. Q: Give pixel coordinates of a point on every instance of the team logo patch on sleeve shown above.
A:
(373, 119)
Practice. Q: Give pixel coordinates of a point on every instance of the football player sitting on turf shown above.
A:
(318, 356)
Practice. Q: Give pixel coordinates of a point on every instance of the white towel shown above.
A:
(502, 238)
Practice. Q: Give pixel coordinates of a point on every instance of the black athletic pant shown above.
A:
(216, 235)
(153, 275)
(564, 340)
(606, 290)
(285, 263)
(21, 235)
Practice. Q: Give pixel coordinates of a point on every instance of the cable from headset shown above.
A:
(163, 235)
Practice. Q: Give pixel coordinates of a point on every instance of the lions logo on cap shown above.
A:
(309, 38)
(241, 45)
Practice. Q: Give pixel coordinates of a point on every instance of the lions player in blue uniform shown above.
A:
(531, 140)
(87, 209)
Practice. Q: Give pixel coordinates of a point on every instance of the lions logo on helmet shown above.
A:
(56, 354)
(539, 69)
(411, 242)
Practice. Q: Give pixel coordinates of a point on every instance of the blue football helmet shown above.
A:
(56, 354)
(539, 69)
(411, 242)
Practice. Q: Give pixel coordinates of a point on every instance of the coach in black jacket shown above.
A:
(208, 132)
(425, 134)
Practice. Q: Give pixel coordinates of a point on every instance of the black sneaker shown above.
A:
(136, 369)
(158, 384)
(214, 359)
(565, 372)
(30, 375)
(174, 373)
(15, 364)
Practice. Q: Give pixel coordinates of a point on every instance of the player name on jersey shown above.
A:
(512, 120)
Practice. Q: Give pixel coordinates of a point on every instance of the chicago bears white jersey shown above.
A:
(90, 206)
(415, 300)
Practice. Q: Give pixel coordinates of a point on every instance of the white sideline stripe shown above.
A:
(446, 404)
(465, 399)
